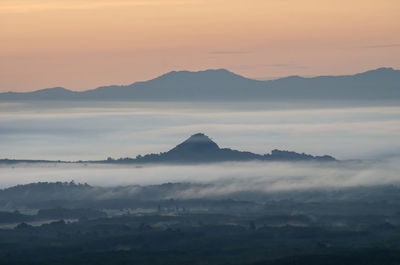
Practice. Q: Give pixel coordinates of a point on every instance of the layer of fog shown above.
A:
(97, 130)
(214, 179)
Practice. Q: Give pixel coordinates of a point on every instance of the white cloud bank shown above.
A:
(225, 177)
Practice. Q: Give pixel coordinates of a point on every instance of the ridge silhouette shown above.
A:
(223, 85)
(199, 148)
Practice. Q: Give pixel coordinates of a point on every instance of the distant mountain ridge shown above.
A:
(223, 85)
(199, 148)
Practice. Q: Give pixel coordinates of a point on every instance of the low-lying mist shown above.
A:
(90, 131)
(96, 131)
(209, 180)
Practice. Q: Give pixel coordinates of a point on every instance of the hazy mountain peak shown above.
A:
(198, 142)
(55, 89)
(211, 73)
(384, 69)
(380, 71)
(199, 138)
(290, 78)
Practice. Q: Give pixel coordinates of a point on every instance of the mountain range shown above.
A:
(199, 148)
(223, 85)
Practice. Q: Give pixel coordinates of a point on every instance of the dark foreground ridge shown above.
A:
(72, 223)
(199, 148)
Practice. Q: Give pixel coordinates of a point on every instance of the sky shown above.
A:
(89, 43)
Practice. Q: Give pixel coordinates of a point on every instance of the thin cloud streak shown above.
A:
(24, 6)
(277, 65)
(394, 45)
(222, 52)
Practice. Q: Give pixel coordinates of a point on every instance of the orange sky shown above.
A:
(87, 43)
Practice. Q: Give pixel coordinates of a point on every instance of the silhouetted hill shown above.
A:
(382, 83)
(55, 93)
(209, 84)
(199, 148)
(222, 85)
(196, 145)
(45, 191)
